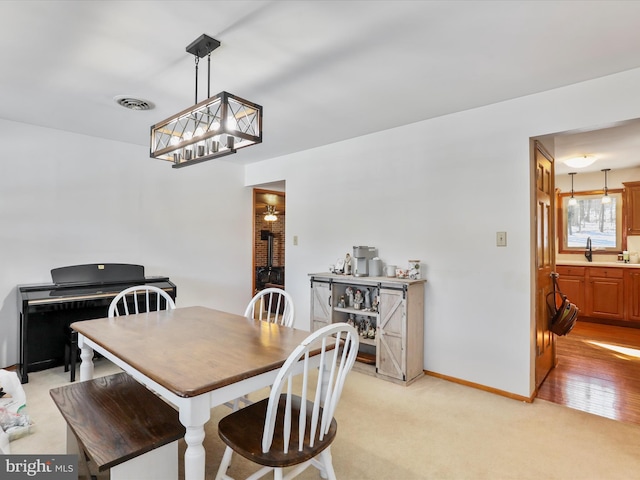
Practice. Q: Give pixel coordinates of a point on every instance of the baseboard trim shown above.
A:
(478, 386)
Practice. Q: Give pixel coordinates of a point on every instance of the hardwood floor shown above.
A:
(598, 371)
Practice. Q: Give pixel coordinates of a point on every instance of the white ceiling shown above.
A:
(615, 147)
(324, 71)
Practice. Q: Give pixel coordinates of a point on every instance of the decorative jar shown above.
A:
(413, 271)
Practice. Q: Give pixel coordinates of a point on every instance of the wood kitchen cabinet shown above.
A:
(632, 294)
(605, 293)
(609, 294)
(394, 348)
(632, 207)
(572, 283)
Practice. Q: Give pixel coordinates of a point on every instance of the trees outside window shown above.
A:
(590, 218)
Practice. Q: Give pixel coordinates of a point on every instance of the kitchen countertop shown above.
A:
(584, 263)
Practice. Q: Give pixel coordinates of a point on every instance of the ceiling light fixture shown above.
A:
(606, 198)
(580, 162)
(213, 128)
(572, 199)
(270, 214)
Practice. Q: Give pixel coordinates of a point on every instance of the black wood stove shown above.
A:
(268, 274)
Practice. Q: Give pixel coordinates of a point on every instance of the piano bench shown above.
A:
(119, 425)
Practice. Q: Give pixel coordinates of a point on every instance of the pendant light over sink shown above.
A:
(572, 199)
(215, 127)
(606, 198)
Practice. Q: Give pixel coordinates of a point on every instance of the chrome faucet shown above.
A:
(588, 253)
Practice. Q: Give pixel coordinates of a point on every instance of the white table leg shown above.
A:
(86, 355)
(194, 413)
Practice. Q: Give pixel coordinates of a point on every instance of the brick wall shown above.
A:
(277, 228)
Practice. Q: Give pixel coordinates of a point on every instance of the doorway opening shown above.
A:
(590, 375)
(268, 239)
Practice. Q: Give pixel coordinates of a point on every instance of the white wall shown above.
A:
(68, 199)
(439, 190)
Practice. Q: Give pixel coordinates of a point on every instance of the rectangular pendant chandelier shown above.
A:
(215, 127)
(218, 126)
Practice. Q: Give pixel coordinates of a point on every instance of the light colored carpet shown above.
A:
(433, 429)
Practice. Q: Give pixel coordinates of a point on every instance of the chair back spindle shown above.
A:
(142, 298)
(272, 305)
(338, 345)
(295, 426)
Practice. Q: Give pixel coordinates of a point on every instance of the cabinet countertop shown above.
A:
(584, 263)
(365, 280)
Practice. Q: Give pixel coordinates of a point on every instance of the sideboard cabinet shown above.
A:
(390, 319)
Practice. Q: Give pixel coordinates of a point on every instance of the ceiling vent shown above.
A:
(133, 103)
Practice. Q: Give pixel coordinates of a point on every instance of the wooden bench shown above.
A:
(122, 426)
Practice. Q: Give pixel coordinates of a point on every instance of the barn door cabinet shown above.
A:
(392, 335)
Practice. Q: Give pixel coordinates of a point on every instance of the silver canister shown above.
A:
(375, 267)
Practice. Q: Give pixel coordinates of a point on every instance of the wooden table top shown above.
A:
(194, 350)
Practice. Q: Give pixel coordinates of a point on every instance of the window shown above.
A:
(590, 218)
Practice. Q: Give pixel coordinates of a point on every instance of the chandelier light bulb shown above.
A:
(188, 150)
(232, 124)
(200, 147)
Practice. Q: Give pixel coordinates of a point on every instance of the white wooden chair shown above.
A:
(295, 426)
(272, 305)
(143, 298)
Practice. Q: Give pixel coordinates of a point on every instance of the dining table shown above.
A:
(194, 357)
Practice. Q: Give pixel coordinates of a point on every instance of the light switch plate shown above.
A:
(501, 239)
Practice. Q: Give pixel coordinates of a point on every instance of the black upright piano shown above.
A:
(79, 292)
